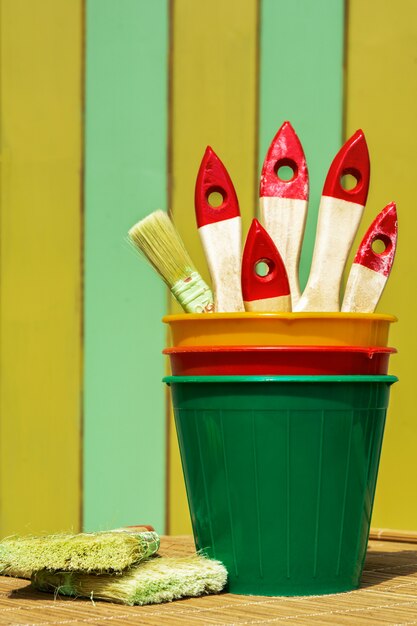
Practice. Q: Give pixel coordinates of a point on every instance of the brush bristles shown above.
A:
(156, 580)
(158, 240)
(89, 552)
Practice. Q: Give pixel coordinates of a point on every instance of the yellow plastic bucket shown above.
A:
(279, 329)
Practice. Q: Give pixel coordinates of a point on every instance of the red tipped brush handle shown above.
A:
(213, 177)
(283, 203)
(384, 228)
(339, 217)
(285, 151)
(220, 230)
(371, 269)
(353, 159)
(270, 292)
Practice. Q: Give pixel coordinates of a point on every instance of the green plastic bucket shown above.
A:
(280, 474)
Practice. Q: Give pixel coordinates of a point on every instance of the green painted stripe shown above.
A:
(126, 178)
(301, 80)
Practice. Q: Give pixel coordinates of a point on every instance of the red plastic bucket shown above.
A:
(278, 360)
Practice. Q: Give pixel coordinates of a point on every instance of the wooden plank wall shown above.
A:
(237, 70)
(40, 265)
(125, 153)
(381, 98)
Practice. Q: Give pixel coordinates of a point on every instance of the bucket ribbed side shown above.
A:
(281, 480)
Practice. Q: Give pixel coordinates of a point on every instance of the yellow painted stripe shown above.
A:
(40, 230)
(381, 97)
(214, 102)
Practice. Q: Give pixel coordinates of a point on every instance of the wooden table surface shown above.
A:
(388, 595)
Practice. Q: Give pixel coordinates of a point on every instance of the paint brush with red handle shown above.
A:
(220, 229)
(283, 203)
(370, 270)
(340, 213)
(269, 292)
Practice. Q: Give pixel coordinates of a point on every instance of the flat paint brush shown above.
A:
(220, 230)
(90, 552)
(156, 580)
(340, 213)
(158, 240)
(283, 203)
(370, 269)
(268, 292)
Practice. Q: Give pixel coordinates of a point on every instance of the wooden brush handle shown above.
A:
(336, 229)
(222, 246)
(284, 219)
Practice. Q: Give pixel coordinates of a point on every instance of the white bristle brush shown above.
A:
(158, 240)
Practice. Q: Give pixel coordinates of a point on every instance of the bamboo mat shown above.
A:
(388, 596)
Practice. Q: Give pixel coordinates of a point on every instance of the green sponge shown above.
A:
(159, 579)
(86, 552)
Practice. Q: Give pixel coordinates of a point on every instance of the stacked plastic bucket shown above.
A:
(280, 419)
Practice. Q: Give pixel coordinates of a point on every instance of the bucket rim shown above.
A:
(351, 378)
(202, 317)
(370, 350)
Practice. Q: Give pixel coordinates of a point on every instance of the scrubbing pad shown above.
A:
(86, 552)
(159, 579)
